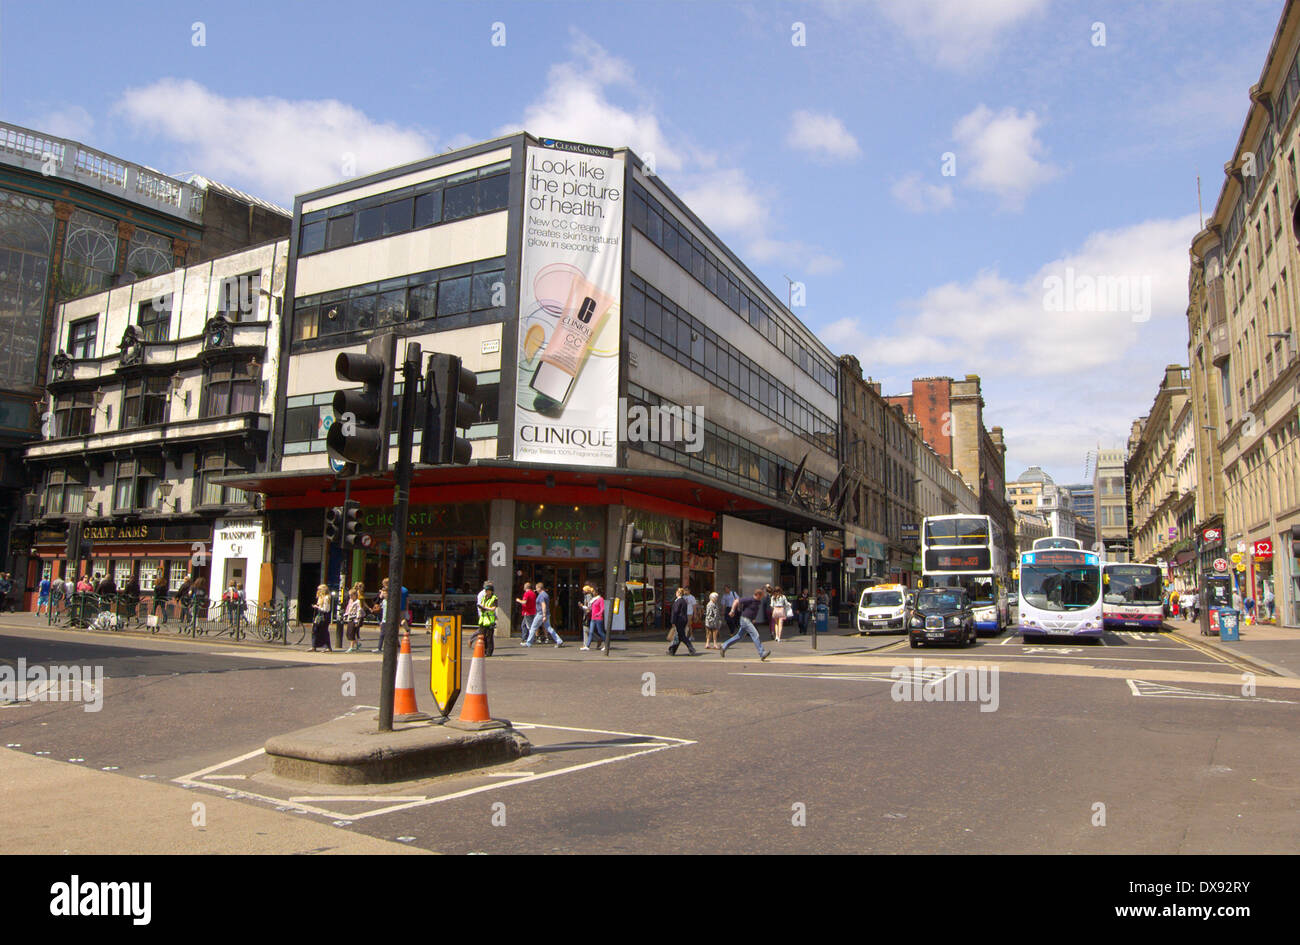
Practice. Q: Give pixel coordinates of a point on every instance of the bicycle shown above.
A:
(273, 624)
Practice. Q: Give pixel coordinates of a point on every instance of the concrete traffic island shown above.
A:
(349, 750)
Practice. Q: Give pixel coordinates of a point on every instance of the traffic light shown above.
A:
(333, 524)
(631, 536)
(359, 432)
(445, 384)
(351, 523)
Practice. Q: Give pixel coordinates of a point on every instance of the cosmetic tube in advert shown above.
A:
(567, 350)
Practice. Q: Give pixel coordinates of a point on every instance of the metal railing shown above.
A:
(197, 616)
(99, 169)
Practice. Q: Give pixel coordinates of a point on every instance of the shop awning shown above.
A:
(525, 481)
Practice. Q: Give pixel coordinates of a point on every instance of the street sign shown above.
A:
(1236, 557)
(444, 680)
(1220, 564)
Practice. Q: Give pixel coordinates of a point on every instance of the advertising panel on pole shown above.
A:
(570, 295)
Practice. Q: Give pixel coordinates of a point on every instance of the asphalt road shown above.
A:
(643, 753)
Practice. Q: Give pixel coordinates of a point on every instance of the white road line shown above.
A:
(1162, 690)
(228, 777)
(513, 774)
(659, 743)
(220, 765)
(354, 797)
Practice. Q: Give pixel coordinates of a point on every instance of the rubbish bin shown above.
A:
(1228, 624)
(823, 618)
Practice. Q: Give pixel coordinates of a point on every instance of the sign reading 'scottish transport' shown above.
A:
(570, 283)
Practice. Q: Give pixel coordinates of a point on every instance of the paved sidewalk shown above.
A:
(641, 647)
(1276, 649)
(58, 807)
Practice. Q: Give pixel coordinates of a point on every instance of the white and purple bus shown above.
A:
(1060, 593)
(968, 551)
(1132, 596)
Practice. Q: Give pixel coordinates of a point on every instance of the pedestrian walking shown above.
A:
(587, 594)
(1270, 603)
(159, 597)
(527, 613)
(712, 621)
(747, 609)
(43, 596)
(691, 606)
(543, 618)
(6, 585)
(1189, 605)
(320, 623)
(801, 607)
(681, 621)
(780, 611)
(381, 605)
(487, 617)
(59, 591)
(597, 628)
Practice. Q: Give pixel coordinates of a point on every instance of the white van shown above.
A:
(883, 607)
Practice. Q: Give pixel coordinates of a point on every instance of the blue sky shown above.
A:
(1073, 160)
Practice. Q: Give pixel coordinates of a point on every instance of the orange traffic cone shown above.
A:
(475, 706)
(404, 707)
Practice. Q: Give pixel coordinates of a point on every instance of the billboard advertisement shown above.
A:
(570, 289)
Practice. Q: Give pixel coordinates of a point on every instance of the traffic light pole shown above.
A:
(343, 566)
(397, 543)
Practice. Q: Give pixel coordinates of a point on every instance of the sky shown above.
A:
(997, 187)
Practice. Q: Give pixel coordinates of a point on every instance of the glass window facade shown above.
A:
(670, 329)
(148, 254)
(660, 226)
(449, 295)
(89, 254)
(458, 197)
(26, 238)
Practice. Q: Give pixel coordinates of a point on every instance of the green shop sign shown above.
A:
(551, 532)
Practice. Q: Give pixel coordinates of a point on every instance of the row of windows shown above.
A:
(438, 293)
(307, 417)
(485, 190)
(236, 301)
(656, 320)
(661, 228)
(229, 387)
(136, 484)
(728, 456)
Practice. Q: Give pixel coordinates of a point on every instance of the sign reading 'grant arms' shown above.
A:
(119, 533)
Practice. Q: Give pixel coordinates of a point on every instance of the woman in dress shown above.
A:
(320, 624)
(712, 622)
(780, 610)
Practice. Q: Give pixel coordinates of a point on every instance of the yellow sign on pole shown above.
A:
(1236, 558)
(444, 681)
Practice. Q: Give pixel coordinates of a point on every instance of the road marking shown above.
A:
(229, 777)
(928, 674)
(1051, 649)
(205, 777)
(351, 797)
(1220, 657)
(1140, 687)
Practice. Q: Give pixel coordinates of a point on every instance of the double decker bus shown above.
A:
(1132, 596)
(968, 551)
(1060, 593)
(1057, 541)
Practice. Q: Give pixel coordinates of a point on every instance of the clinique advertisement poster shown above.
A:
(570, 292)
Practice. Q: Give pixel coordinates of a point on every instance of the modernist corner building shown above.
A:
(629, 366)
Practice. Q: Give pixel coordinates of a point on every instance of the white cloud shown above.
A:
(958, 33)
(71, 121)
(270, 146)
(576, 106)
(578, 103)
(1098, 359)
(921, 197)
(822, 136)
(1001, 154)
